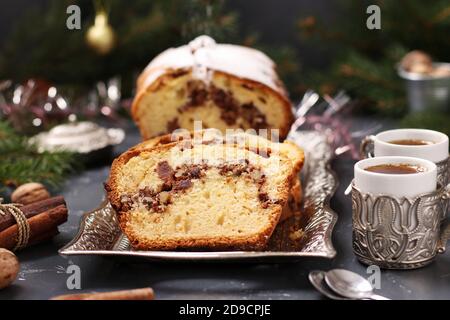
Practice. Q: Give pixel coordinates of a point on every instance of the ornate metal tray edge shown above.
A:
(98, 233)
(329, 231)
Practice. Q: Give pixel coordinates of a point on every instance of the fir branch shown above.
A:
(442, 15)
(365, 61)
(428, 120)
(20, 162)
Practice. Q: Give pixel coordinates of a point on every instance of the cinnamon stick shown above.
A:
(48, 235)
(134, 294)
(41, 224)
(31, 210)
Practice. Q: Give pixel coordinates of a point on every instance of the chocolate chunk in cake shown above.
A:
(197, 94)
(174, 180)
(228, 105)
(173, 125)
(253, 116)
(182, 185)
(165, 172)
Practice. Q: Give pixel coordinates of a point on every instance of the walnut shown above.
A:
(29, 193)
(417, 61)
(9, 267)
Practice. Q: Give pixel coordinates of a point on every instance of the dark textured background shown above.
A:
(273, 20)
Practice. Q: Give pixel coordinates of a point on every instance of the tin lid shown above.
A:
(426, 76)
(78, 137)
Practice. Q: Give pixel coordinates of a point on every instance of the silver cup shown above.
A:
(399, 233)
(426, 92)
(367, 150)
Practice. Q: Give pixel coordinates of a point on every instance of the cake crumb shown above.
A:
(296, 234)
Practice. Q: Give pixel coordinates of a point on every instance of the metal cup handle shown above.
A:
(445, 231)
(365, 151)
(367, 146)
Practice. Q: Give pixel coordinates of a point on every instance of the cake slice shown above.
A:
(188, 195)
(243, 139)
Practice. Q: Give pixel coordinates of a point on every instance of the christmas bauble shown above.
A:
(100, 36)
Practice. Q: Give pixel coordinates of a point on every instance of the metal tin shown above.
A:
(443, 172)
(425, 92)
(100, 233)
(398, 233)
(85, 138)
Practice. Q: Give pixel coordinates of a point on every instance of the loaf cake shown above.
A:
(221, 85)
(184, 194)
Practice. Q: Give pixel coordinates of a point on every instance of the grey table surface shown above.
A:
(43, 271)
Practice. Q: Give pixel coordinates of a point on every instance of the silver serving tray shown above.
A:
(100, 234)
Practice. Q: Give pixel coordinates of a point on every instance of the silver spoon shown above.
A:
(317, 278)
(350, 285)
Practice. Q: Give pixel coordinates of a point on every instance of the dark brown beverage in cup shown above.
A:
(395, 169)
(411, 142)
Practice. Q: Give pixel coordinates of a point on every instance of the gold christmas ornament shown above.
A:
(100, 36)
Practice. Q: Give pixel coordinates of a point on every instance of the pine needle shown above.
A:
(20, 162)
